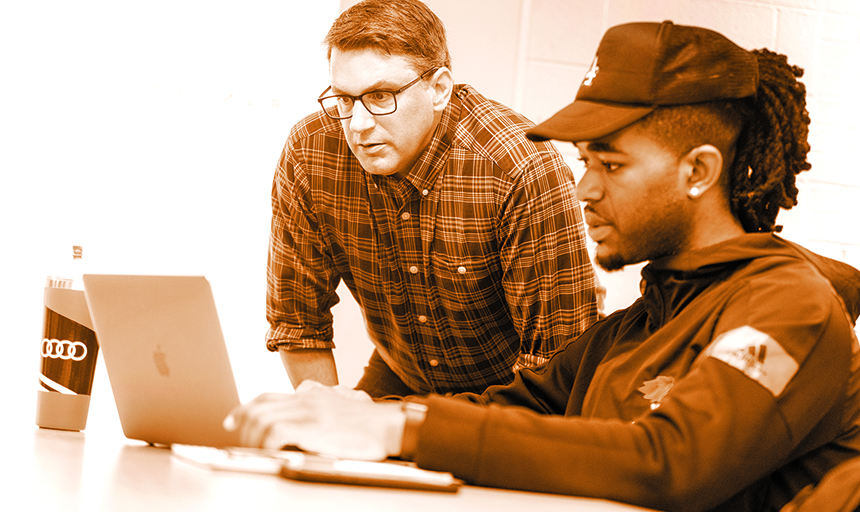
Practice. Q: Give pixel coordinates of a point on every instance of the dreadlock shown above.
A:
(772, 148)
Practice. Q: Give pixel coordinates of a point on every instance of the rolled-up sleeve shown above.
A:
(548, 278)
(301, 277)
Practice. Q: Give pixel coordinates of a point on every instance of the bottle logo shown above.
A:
(64, 349)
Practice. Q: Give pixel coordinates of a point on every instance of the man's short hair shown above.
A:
(681, 128)
(393, 27)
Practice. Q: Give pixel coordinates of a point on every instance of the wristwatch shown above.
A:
(415, 413)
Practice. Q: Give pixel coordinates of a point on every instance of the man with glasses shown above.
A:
(460, 239)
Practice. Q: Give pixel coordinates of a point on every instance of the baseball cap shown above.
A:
(642, 66)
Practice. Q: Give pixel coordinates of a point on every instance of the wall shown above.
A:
(149, 132)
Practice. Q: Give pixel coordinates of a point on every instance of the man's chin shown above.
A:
(379, 170)
(610, 261)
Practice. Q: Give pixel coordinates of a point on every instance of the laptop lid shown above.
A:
(165, 357)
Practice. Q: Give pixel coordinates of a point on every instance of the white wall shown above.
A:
(149, 132)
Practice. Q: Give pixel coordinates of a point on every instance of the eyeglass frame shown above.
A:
(361, 96)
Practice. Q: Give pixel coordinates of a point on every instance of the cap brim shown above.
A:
(587, 120)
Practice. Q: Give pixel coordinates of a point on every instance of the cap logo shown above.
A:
(592, 72)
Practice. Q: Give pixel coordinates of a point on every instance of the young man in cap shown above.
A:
(459, 238)
(732, 383)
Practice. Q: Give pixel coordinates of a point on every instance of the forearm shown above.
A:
(310, 364)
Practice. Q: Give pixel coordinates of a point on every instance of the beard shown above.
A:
(611, 262)
(652, 238)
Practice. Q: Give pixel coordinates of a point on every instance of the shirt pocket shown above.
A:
(467, 285)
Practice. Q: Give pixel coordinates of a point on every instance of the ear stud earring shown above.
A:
(694, 192)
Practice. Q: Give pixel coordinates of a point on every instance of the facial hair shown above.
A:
(661, 233)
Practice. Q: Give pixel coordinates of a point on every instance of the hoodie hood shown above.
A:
(680, 278)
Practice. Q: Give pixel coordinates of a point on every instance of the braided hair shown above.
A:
(772, 147)
(762, 139)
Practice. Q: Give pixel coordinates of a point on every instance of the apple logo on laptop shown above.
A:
(160, 358)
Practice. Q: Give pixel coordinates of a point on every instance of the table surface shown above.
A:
(71, 471)
(99, 469)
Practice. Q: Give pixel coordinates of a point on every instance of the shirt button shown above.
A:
(422, 319)
(405, 216)
(413, 269)
(434, 362)
(461, 270)
(425, 192)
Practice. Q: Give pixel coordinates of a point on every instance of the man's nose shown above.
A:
(361, 119)
(589, 189)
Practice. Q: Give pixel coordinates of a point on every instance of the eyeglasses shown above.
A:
(378, 103)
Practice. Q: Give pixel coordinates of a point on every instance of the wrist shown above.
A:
(414, 413)
(309, 364)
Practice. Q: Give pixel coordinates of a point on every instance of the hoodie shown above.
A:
(730, 384)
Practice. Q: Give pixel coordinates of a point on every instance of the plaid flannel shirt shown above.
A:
(471, 267)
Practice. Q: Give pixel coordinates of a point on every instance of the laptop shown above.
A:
(165, 357)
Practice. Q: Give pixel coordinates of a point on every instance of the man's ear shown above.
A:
(442, 82)
(702, 169)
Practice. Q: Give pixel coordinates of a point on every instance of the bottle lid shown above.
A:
(59, 282)
(67, 281)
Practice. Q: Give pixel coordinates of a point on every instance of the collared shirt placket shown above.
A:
(396, 205)
(426, 341)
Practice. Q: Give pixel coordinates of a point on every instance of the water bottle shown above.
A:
(69, 351)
